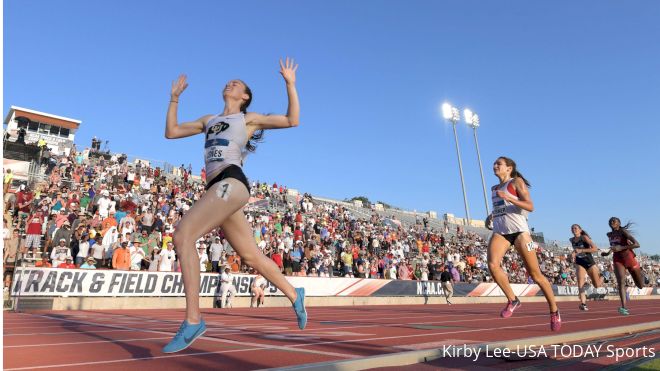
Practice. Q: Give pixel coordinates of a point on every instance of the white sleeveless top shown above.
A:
(507, 217)
(226, 137)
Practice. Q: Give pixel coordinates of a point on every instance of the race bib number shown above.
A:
(214, 154)
(531, 246)
(499, 211)
(214, 149)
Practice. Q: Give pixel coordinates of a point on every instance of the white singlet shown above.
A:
(226, 137)
(507, 217)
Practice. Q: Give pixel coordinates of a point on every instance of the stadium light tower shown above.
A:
(453, 115)
(472, 119)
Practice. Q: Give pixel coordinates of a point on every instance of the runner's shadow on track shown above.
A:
(134, 350)
(184, 363)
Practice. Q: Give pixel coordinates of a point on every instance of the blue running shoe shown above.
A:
(185, 336)
(299, 308)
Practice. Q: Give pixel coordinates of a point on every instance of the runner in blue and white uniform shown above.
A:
(511, 204)
(229, 137)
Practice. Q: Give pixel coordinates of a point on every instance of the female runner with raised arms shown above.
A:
(228, 138)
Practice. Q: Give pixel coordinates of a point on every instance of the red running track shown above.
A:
(247, 339)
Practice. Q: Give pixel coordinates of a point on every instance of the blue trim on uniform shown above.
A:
(216, 142)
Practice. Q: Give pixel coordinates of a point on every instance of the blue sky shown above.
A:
(570, 90)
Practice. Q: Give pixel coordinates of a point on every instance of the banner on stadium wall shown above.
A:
(55, 282)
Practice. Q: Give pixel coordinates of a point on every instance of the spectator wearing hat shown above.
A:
(121, 257)
(154, 259)
(60, 253)
(216, 251)
(166, 258)
(80, 218)
(63, 232)
(203, 256)
(90, 263)
(138, 256)
(104, 204)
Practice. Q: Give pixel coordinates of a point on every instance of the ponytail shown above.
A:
(514, 172)
(517, 174)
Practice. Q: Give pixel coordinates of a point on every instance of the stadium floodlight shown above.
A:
(453, 115)
(447, 111)
(472, 119)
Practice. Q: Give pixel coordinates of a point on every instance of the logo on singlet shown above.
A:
(217, 128)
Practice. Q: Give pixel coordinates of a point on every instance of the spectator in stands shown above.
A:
(8, 178)
(138, 255)
(83, 249)
(24, 200)
(234, 262)
(153, 259)
(121, 257)
(216, 251)
(68, 264)
(277, 258)
(347, 260)
(10, 256)
(60, 253)
(90, 263)
(43, 263)
(166, 258)
(203, 257)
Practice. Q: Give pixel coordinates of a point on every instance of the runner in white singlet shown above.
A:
(228, 138)
(511, 204)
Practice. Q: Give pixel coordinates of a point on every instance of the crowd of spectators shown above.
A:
(96, 212)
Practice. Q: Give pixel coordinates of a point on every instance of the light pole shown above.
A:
(452, 115)
(472, 119)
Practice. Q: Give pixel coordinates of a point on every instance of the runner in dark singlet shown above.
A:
(584, 262)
